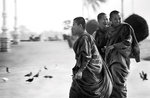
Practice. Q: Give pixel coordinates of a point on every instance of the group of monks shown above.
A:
(103, 57)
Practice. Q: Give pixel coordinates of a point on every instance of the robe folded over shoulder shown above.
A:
(118, 59)
(96, 80)
(125, 43)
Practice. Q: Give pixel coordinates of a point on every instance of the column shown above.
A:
(4, 36)
(15, 34)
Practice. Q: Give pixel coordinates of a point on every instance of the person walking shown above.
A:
(118, 50)
(91, 77)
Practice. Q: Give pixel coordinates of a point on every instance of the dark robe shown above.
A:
(101, 40)
(118, 58)
(96, 79)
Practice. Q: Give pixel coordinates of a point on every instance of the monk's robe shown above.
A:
(101, 40)
(96, 79)
(118, 58)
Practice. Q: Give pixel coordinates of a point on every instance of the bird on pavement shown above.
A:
(37, 75)
(45, 68)
(48, 76)
(143, 75)
(5, 79)
(30, 79)
(28, 75)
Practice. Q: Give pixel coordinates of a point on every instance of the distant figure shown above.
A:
(31, 38)
(34, 38)
(7, 70)
(143, 75)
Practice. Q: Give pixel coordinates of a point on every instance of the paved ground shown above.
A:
(59, 59)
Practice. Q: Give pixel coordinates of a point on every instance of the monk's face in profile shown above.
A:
(76, 29)
(115, 20)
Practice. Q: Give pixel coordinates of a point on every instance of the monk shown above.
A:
(100, 34)
(120, 45)
(91, 77)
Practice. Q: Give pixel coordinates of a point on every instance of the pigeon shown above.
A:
(143, 75)
(7, 70)
(5, 79)
(30, 80)
(37, 75)
(48, 76)
(45, 68)
(28, 75)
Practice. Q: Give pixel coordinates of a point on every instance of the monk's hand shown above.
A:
(78, 75)
(110, 47)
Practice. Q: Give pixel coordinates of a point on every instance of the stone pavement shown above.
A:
(32, 57)
(59, 59)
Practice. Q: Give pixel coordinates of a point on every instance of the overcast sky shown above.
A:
(40, 15)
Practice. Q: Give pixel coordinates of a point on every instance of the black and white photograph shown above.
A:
(74, 49)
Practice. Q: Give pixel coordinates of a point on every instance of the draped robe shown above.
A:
(96, 79)
(101, 40)
(118, 59)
